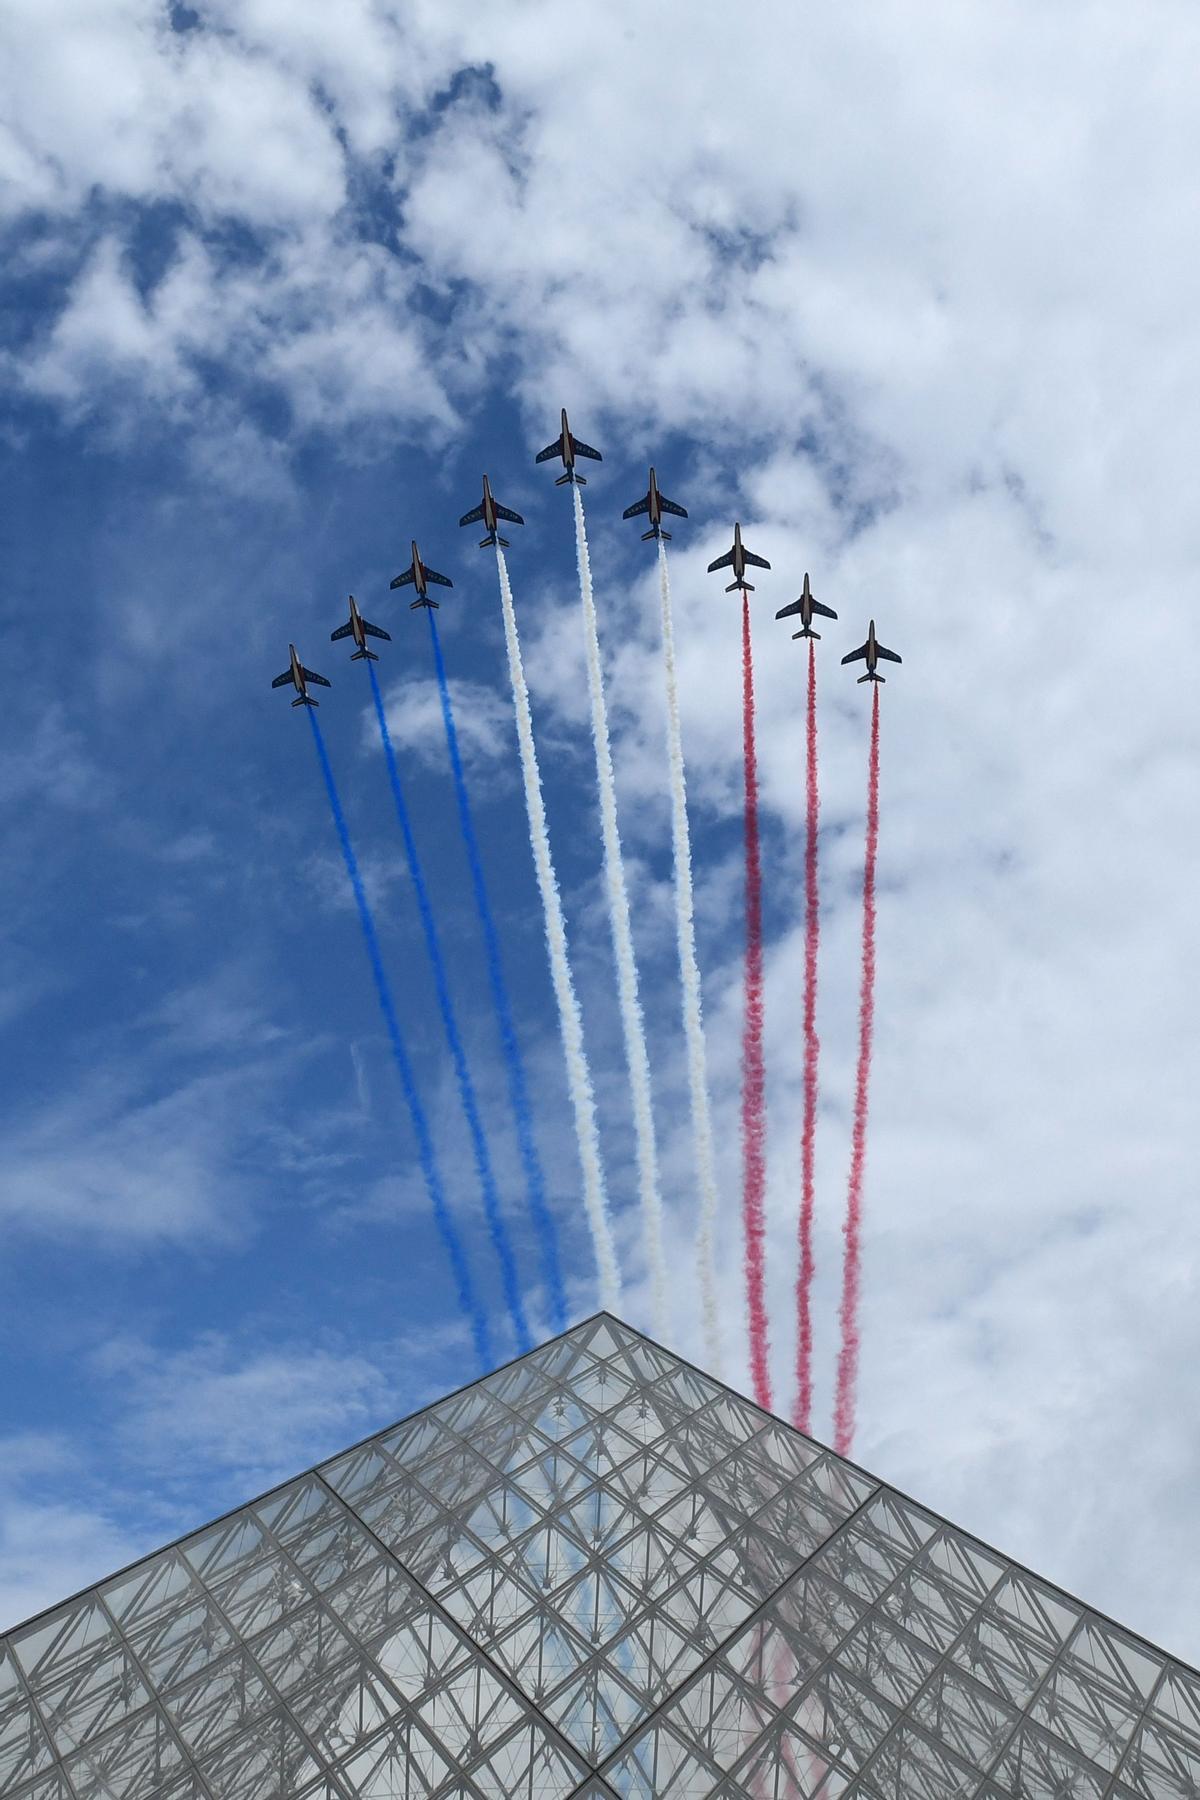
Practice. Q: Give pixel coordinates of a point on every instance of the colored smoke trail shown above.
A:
(467, 1298)
(632, 1024)
(689, 977)
(812, 1053)
(847, 1368)
(570, 1022)
(514, 1064)
(458, 1054)
(754, 1161)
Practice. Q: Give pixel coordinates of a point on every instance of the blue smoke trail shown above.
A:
(467, 1297)
(543, 1219)
(466, 1087)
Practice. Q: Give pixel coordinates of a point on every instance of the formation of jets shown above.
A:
(653, 505)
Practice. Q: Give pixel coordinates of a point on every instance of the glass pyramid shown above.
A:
(594, 1573)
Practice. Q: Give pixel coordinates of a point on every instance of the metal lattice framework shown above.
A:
(595, 1572)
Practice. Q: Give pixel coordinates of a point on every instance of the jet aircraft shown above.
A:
(736, 559)
(568, 448)
(487, 513)
(360, 630)
(870, 652)
(655, 504)
(299, 677)
(419, 574)
(806, 606)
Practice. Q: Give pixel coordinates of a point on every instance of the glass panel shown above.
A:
(1162, 1765)
(24, 1751)
(1004, 1659)
(176, 1645)
(893, 1663)
(1036, 1766)
(133, 1762)
(1177, 1706)
(966, 1717)
(1085, 1716)
(401, 1761)
(215, 1705)
(914, 1765)
(268, 1762)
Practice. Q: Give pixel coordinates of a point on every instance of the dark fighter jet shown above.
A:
(870, 652)
(360, 630)
(655, 504)
(806, 606)
(419, 575)
(486, 514)
(736, 559)
(299, 677)
(568, 448)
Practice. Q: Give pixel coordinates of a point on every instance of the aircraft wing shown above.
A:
(341, 632)
(826, 612)
(402, 580)
(554, 449)
(680, 512)
(789, 612)
(377, 631)
(441, 580)
(722, 562)
(888, 655)
(859, 655)
(506, 512)
(643, 506)
(282, 680)
(585, 449)
(473, 518)
(760, 562)
(310, 675)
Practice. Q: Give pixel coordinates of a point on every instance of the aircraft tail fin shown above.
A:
(364, 656)
(656, 533)
(305, 700)
(807, 632)
(569, 477)
(863, 678)
(423, 600)
(735, 585)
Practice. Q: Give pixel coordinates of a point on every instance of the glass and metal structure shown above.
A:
(594, 1573)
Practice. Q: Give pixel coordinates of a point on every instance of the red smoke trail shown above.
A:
(847, 1369)
(754, 1167)
(812, 1052)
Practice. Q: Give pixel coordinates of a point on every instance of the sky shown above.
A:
(912, 293)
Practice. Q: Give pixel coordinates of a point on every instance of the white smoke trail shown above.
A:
(632, 1025)
(579, 1080)
(689, 976)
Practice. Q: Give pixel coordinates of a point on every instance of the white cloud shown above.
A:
(247, 1417)
(482, 719)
